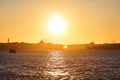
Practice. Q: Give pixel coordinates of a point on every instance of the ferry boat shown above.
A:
(12, 51)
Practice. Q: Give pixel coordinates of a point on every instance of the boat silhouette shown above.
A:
(12, 51)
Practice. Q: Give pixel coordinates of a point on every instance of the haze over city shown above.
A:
(78, 21)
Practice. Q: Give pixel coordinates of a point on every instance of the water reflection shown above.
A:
(56, 65)
(57, 72)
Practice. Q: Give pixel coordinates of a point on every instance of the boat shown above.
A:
(12, 51)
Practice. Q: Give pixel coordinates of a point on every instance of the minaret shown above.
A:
(8, 40)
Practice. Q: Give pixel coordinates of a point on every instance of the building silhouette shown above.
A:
(8, 40)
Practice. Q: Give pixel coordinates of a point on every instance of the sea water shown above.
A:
(60, 65)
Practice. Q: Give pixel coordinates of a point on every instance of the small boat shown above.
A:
(12, 51)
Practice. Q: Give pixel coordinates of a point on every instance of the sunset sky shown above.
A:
(86, 20)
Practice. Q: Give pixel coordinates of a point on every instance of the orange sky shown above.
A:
(87, 20)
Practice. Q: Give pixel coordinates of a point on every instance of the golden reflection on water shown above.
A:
(56, 65)
(58, 73)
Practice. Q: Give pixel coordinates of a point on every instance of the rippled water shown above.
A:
(59, 65)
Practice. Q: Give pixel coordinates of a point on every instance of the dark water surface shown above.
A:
(59, 65)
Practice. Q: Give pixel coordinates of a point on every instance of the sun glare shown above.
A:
(65, 46)
(57, 24)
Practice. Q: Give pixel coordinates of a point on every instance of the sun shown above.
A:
(57, 24)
